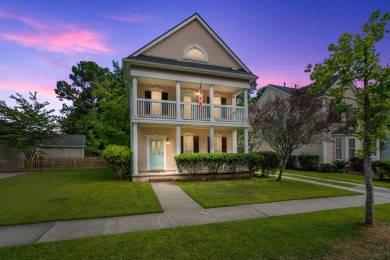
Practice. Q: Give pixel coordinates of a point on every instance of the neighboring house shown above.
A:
(163, 84)
(385, 153)
(65, 145)
(343, 144)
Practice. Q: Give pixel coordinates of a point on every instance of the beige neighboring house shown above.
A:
(163, 80)
(342, 146)
(65, 145)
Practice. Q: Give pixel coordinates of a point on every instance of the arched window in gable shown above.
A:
(195, 52)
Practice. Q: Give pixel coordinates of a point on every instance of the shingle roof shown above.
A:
(66, 140)
(343, 131)
(323, 92)
(186, 64)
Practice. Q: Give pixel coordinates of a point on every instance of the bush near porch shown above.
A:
(219, 163)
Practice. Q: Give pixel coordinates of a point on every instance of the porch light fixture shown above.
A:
(167, 141)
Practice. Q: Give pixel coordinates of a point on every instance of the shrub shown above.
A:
(356, 163)
(341, 166)
(326, 167)
(292, 162)
(218, 163)
(118, 158)
(309, 162)
(271, 163)
(381, 168)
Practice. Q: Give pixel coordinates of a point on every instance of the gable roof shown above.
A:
(289, 91)
(194, 17)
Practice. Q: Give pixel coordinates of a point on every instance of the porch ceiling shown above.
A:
(186, 85)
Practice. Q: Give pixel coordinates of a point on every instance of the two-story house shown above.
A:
(182, 90)
(343, 144)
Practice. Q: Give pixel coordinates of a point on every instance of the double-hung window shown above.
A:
(339, 149)
(352, 147)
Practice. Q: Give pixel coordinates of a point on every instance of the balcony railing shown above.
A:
(189, 111)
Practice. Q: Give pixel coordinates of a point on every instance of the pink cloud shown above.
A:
(131, 18)
(24, 87)
(60, 38)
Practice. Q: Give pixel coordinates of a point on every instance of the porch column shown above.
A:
(246, 105)
(246, 148)
(134, 96)
(211, 139)
(135, 149)
(211, 108)
(234, 141)
(323, 143)
(178, 139)
(178, 101)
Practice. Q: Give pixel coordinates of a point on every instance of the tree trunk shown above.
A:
(367, 162)
(283, 164)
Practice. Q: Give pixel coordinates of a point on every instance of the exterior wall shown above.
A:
(63, 152)
(170, 134)
(8, 152)
(173, 46)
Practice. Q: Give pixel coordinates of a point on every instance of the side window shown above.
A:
(339, 149)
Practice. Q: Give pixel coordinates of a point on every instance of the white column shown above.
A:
(234, 141)
(234, 100)
(246, 148)
(178, 140)
(211, 105)
(246, 105)
(323, 143)
(134, 96)
(178, 100)
(135, 149)
(211, 139)
(346, 148)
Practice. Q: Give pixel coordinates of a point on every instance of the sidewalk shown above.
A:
(179, 210)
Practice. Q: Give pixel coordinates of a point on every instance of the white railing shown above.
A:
(156, 108)
(189, 111)
(229, 113)
(193, 111)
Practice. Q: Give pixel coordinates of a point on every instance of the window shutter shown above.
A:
(223, 101)
(164, 96)
(208, 144)
(181, 144)
(223, 109)
(224, 144)
(148, 94)
(196, 144)
(147, 105)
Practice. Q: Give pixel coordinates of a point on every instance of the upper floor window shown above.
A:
(350, 112)
(195, 52)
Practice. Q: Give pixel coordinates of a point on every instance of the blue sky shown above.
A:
(41, 40)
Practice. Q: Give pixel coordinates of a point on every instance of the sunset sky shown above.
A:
(41, 40)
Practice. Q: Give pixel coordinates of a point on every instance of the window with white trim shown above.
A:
(352, 147)
(217, 143)
(188, 143)
(195, 52)
(339, 149)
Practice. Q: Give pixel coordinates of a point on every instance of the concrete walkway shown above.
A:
(179, 210)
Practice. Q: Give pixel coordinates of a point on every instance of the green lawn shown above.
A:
(52, 196)
(323, 181)
(211, 194)
(301, 236)
(342, 177)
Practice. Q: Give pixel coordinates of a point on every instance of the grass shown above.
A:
(302, 236)
(54, 196)
(224, 193)
(342, 177)
(323, 181)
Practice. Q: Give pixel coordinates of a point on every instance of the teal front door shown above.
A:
(156, 154)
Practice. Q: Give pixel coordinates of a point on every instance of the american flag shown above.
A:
(200, 95)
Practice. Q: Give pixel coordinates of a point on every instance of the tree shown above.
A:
(27, 125)
(355, 59)
(98, 109)
(288, 123)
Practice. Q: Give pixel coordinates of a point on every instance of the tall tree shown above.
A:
(356, 61)
(27, 124)
(98, 109)
(288, 123)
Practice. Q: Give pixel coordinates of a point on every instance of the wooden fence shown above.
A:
(51, 164)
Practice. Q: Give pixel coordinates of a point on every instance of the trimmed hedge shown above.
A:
(326, 167)
(309, 162)
(118, 158)
(271, 163)
(381, 168)
(292, 162)
(356, 163)
(218, 163)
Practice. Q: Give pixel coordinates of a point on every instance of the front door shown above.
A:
(156, 154)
